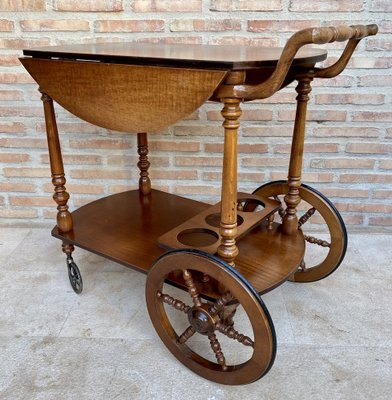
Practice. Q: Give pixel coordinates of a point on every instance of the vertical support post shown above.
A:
(143, 164)
(64, 217)
(292, 199)
(231, 113)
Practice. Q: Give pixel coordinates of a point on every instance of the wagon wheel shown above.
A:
(330, 252)
(206, 318)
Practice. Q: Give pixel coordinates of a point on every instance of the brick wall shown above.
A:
(348, 150)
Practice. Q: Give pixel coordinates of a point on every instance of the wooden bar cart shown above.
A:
(223, 257)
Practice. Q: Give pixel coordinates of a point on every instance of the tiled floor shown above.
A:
(334, 336)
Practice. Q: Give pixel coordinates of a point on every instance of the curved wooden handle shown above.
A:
(301, 38)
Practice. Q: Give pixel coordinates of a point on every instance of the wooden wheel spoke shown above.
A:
(305, 218)
(319, 242)
(231, 333)
(220, 303)
(188, 333)
(192, 290)
(216, 348)
(175, 303)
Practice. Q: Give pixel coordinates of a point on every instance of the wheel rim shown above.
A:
(206, 319)
(337, 242)
(75, 277)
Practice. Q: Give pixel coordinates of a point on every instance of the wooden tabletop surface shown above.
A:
(177, 55)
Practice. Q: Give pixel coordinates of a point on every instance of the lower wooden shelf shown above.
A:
(125, 228)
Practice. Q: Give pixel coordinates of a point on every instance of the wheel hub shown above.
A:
(201, 321)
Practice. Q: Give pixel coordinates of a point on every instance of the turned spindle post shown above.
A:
(64, 217)
(231, 113)
(143, 164)
(292, 199)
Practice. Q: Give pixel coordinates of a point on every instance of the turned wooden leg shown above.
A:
(64, 217)
(228, 249)
(292, 199)
(143, 164)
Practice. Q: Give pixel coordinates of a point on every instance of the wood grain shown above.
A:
(122, 97)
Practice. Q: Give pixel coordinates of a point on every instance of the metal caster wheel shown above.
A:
(75, 276)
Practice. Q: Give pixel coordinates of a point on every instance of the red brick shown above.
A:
(268, 131)
(198, 161)
(18, 213)
(368, 148)
(14, 157)
(382, 194)
(155, 161)
(48, 25)
(376, 44)
(166, 5)
(313, 177)
(88, 159)
(123, 188)
(9, 60)
(196, 190)
(334, 131)
(76, 188)
(23, 143)
(370, 62)
(11, 95)
(265, 162)
(100, 174)
(23, 5)
(172, 40)
(247, 115)
(309, 148)
(152, 25)
(89, 5)
(30, 172)
(331, 163)
(339, 81)
(353, 220)
(71, 127)
(242, 176)
(345, 193)
(17, 187)
(381, 221)
(364, 207)
(366, 178)
(242, 148)
(389, 133)
(6, 25)
(246, 5)
(280, 25)
(99, 144)
(385, 164)
(173, 175)
(315, 115)
(381, 116)
(375, 80)
(340, 98)
(326, 5)
(381, 6)
(198, 130)
(35, 201)
(23, 43)
(203, 25)
(16, 77)
(174, 146)
(12, 127)
(243, 41)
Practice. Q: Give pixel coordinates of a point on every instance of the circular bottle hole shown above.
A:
(197, 237)
(214, 220)
(250, 205)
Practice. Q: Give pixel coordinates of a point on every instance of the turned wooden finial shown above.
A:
(143, 164)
